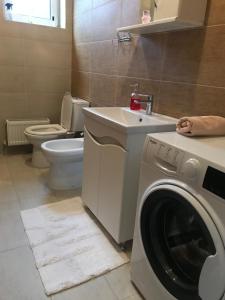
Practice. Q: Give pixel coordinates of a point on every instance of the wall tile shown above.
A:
(45, 54)
(196, 56)
(12, 51)
(82, 57)
(47, 80)
(183, 55)
(11, 29)
(12, 79)
(83, 30)
(81, 7)
(104, 57)
(179, 100)
(175, 99)
(81, 82)
(103, 90)
(130, 12)
(14, 105)
(45, 105)
(215, 12)
(143, 57)
(106, 19)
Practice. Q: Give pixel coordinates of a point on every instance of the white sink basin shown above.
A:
(127, 120)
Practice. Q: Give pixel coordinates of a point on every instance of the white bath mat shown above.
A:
(69, 248)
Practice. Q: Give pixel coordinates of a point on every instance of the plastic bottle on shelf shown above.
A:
(146, 17)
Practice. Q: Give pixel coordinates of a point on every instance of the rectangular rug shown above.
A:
(69, 248)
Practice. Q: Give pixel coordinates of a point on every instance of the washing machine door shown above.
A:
(182, 244)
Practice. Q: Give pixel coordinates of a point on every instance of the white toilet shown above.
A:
(72, 121)
(66, 163)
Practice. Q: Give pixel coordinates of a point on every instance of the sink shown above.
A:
(126, 120)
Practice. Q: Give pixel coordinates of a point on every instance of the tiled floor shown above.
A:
(23, 187)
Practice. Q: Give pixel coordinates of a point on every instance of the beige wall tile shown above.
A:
(103, 90)
(143, 57)
(47, 54)
(215, 12)
(12, 79)
(13, 105)
(175, 99)
(83, 30)
(197, 56)
(104, 57)
(47, 80)
(81, 7)
(130, 12)
(180, 100)
(106, 19)
(82, 57)
(45, 105)
(81, 82)
(11, 51)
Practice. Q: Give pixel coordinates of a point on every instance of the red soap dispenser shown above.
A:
(135, 98)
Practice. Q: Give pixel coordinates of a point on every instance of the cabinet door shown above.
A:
(91, 172)
(111, 184)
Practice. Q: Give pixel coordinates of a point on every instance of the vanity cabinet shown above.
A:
(104, 173)
(91, 170)
(112, 155)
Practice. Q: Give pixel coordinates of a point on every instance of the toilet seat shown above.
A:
(46, 130)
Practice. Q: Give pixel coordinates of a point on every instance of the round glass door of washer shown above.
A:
(182, 244)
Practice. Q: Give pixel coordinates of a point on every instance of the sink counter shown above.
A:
(128, 121)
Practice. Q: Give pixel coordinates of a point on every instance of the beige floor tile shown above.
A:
(96, 289)
(29, 183)
(119, 281)
(19, 278)
(135, 297)
(24, 187)
(12, 233)
(4, 171)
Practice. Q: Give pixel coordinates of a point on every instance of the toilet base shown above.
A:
(38, 158)
(65, 176)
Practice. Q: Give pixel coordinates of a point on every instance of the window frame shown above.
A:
(54, 21)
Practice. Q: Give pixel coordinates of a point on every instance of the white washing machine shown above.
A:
(179, 241)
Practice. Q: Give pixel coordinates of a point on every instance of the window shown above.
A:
(40, 12)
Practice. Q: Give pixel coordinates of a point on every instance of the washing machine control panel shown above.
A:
(165, 153)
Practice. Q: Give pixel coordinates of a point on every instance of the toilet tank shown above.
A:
(77, 121)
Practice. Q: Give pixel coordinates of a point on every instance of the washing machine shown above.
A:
(179, 241)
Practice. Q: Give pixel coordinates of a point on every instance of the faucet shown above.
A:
(148, 101)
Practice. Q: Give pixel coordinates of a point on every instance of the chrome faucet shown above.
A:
(149, 102)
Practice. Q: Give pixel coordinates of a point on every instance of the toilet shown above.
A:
(66, 163)
(72, 121)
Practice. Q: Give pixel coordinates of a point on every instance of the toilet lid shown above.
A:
(49, 129)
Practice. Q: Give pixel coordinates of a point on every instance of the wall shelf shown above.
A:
(163, 25)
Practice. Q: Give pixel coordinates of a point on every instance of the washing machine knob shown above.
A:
(191, 169)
